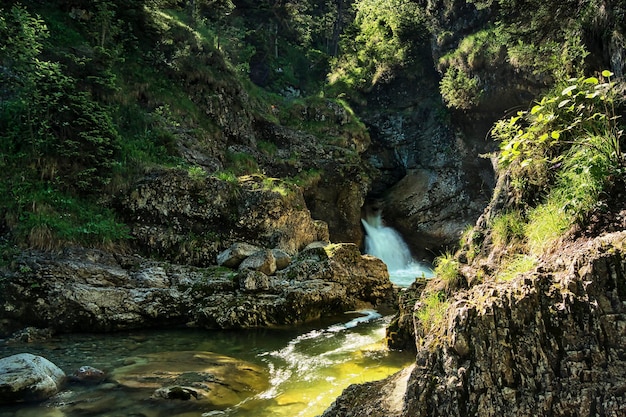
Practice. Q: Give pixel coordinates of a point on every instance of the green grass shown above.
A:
(546, 224)
(48, 219)
(518, 264)
(506, 228)
(446, 267)
(432, 313)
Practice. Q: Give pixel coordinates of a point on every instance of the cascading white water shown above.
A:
(387, 244)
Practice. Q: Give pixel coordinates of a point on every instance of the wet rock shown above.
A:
(30, 334)
(213, 379)
(87, 375)
(91, 290)
(176, 393)
(26, 377)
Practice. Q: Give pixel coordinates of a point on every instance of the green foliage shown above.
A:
(507, 228)
(46, 120)
(196, 173)
(567, 149)
(241, 163)
(550, 58)
(459, 89)
(379, 39)
(578, 116)
(546, 224)
(447, 268)
(47, 219)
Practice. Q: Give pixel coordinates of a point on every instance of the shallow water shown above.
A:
(308, 367)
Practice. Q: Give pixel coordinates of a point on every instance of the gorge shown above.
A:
(198, 195)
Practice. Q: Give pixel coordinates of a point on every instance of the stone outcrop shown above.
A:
(25, 377)
(190, 220)
(550, 343)
(91, 290)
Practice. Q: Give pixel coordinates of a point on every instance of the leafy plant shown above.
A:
(573, 128)
(196, 173)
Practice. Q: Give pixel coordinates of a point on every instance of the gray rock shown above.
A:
(235, 254)
(26, 377)
(283, 259)
(254, 281)
(262, 261)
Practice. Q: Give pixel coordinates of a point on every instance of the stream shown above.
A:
(307, 367)
(295, 371)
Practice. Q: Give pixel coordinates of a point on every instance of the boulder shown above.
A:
(283, 259)
(235, 254)
(26, 377)
(262, 261)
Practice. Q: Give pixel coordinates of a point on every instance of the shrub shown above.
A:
(460, 90)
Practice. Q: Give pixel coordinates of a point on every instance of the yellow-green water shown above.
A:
(307, 368)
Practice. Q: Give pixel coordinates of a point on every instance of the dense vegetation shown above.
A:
(95, 92)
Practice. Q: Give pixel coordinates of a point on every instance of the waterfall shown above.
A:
(387, 244)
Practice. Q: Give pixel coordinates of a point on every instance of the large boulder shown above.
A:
(235, 254)
(26, 377)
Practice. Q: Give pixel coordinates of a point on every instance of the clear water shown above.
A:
(308, 367)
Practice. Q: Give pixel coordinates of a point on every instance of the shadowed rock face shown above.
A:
(90, 290)
(548, 343)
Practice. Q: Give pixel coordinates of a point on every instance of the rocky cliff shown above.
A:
(550, 342)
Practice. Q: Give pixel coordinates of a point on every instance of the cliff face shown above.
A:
(550, 342)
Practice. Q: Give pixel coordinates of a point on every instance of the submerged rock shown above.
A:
(88, 375)
(25, 377)
(216, 380)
